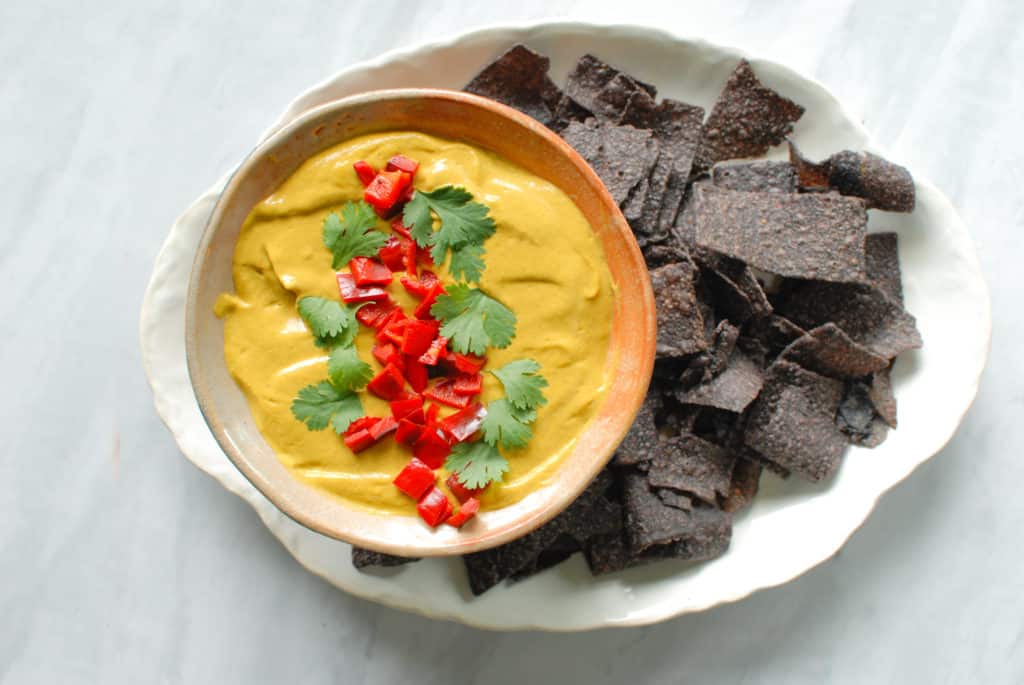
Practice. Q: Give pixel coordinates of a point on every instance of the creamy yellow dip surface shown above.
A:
(543, 262)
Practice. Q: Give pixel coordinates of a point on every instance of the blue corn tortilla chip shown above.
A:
(809, 236)
(620, 155)
(692, 465)
(882, 397)
(829, 351)
(857, 418)
(761, 177)
(486, 569)
(680, 323)
(792, 422)
(601, 89)
(651, 526)
(864, 313)
(366, 558)
(641, 442)
(882, 184)
(746, 479)
(712, 361)
(731, 390)
(747, 119)
(519, 79)
(882, 263)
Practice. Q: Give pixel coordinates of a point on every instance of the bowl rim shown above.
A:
(530, 519)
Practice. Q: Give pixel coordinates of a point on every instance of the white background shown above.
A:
(122, 563)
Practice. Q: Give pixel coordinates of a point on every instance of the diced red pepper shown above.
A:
(415, 479)
(434, 507)
(395, 331)
(417, 417)
(389, 384)
(350, 292)
(468, 363)
(368, 271)
(392, 255)
(461, 492)
(422, 310)
(408, 432)
(432, 412)
(362, 423)
(384, 353)
(385, 189)
(466, 511)
(463, 423)
(375, 314)
(396, 315)
(431, 448)
(386, 425)
(398, 227)
(418, 336)
(434, 353)
(416, 374)
(419, 287)
(409, 256)
(424, 256)
(469, 384)
(402, 408)
(444, 392)
(403, 163)
(365, 172)
(359, 441)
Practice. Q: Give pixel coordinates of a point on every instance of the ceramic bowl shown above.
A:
(482, 123)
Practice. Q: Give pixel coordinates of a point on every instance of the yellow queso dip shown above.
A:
(543, 262)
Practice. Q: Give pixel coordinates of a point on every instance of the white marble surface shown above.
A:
(120, 562)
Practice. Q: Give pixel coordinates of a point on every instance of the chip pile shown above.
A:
(779, 316)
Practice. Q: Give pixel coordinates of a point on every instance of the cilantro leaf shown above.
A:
(476, 464)
(353, 234)
(523, 385)
(331, 322)
(472, 321)
(506, 425)
(322, 404)
(467, 263)
(346, 370)
(462, 223)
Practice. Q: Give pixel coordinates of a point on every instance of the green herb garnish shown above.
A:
(353, 233)
(473, 321)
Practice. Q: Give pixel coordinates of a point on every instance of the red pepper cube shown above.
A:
(389, 384)
(359, 441)
(422, 310)
(403, 163)
(375, 314)
(469, 363)
(395, 315)
(435, 352)
(386, 425)
(385, 189)
(367, 271)
(408, 432)
(420, 287)
(395, 331)
(400, 228)
(402, 408)
(350, 292)
(444, 392)
(431, 448)
(384, 353)
(416, 374)
(434, 507)
(432, 412)
(365, 172)
(392, 255)
(415, 479)
(424, 256)
(362, 423)
(469, 384)
(462, 424)
(418, 336)
(409, 256)
(461, 492)
(466, 511)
